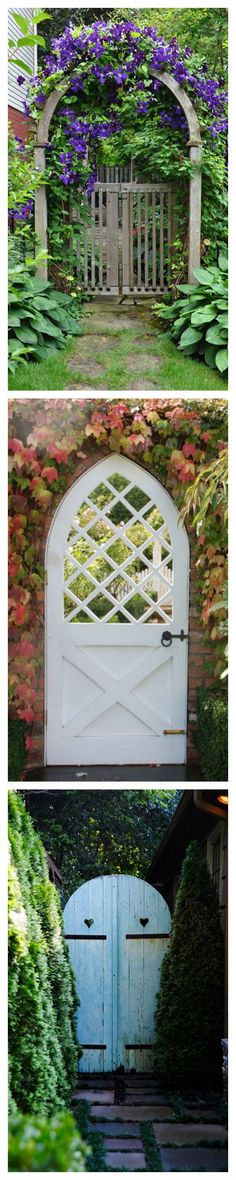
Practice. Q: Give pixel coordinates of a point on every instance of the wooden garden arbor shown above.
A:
(194, 145)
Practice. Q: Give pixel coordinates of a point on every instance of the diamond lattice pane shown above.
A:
(99, 568)
(84, 515)
(101, 496)
(118, 551)
(101, 532)
(131, 579)
(137, 498)
(101, 606)
(118, 482)
(137, 533)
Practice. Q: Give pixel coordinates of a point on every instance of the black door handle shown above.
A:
(167, 637)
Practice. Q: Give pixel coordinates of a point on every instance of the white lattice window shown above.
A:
(118, 565)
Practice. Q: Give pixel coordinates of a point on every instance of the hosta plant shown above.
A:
(199, 321)
(40, 318)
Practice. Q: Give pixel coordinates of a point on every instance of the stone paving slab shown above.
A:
(189, 1159)
(122, 1130)
(149, 1099)
(136, 1114)
(132, 1161)
(120, 1144)
(103, 1096)
(188, 1132)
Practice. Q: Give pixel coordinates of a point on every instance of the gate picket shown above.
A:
(129, 222)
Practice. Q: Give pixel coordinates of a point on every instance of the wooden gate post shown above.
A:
(195, 183)
(40, 207)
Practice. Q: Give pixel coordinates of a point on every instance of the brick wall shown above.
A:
(21, 125)
(198, 662)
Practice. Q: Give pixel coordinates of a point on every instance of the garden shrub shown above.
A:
(199, 321)
(212, 733)
(189, 1017)
(38, 1144)
(16, 748)
(40, 318)
(42, 1002)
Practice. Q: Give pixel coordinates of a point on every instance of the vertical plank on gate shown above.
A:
(100, 237)
(139, 236)
(146, 239)
(154, 242)
(131, 236)
(125, 240)
(161, 238)
(93, 240)
(169, 234)
(112, 240)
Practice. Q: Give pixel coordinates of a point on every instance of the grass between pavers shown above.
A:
(151, 1150)
(173, 371)
(94, 1139)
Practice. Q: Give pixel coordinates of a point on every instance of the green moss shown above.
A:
(151, 1149)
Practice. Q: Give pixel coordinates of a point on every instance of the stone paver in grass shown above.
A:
(121, 1144)
(110, 1130)
(96, 1096)
(188, 1132)
(190, 1159)
(138, 1113)
(132, 1161)
(148, 1099)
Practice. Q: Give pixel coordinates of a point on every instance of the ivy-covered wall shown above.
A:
(54, 442)
(43, 1050)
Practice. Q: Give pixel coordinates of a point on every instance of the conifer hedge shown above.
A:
(189, 1016)
(42, 1000)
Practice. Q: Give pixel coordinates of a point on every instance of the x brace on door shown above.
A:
(114, 690)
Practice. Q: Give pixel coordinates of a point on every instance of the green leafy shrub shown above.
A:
(40, 318)
(212, 733)
(199, 321)
(42, 1002)
(16, 748)
(189, 1017)
(46, 1145)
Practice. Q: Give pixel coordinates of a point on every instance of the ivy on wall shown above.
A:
(51, 443)
(43, 1050)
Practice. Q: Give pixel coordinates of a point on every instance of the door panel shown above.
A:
(117, 968)
(117, 559)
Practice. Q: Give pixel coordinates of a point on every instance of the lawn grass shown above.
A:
(166, 367)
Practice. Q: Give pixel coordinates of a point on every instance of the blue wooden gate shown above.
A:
(117, 928)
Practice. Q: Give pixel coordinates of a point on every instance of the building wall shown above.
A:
(20, 123)
(199, 655)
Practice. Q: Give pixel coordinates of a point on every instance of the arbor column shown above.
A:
(195, 191)
(41, 213)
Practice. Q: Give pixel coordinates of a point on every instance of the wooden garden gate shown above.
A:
(128, 235)
(117, 621)
(117, 929)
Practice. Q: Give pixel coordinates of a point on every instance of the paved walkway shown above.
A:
(118, 348)
(141, 774)
(136, 1118)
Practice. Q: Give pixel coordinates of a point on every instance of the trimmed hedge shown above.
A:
(212, 733)
(16, 748)
(42, 1001)
(189, 1017)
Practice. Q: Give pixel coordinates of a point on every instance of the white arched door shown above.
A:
(117, 931)
(117, 579)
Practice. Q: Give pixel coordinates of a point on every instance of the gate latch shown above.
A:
(167, 637)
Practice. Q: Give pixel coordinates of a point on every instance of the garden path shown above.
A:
(146, 1129)
(118, 348)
